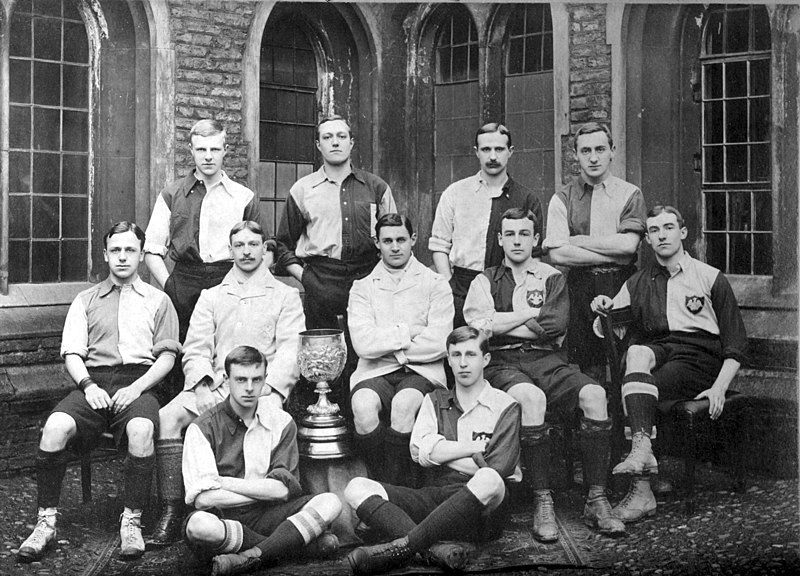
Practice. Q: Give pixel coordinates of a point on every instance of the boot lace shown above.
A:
(40, 532)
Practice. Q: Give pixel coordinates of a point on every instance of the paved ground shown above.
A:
(751, 533)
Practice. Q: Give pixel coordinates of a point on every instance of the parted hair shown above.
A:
(661, 208)
(518, 213)
(591, 128)
(466, 333)
(121, 228)
(244, 356)
(491, 128)
(331, 118)
(207, 127)
(254, 227)
(393, 219)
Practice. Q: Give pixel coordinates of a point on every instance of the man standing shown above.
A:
(191, 220)
(688, 341)
(240, 467)
(467, 218)
(523, 306)
(594, 226)
(399, 317)
(120, 339)
(249, 307)
(469, 438)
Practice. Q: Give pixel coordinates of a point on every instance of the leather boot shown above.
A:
(545, 528)
(168, 528)
(638, 502)
(640, 459)
(380, 558)
(226, 564)
(597, 514)
(449, 556)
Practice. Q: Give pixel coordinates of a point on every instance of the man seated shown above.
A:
(469, 438)
(688, 341)
(120, 339)
(399, 317)
(250, 307)
(240, 468)
(523, 305)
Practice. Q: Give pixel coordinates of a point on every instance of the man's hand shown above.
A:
(97, 398)
(204, 398)
(716, 400)
(479, 446)
(580, 240)
(124, 397)
(602, 305)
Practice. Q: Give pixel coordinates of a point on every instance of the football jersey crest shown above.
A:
(535, 298)
(694, 304)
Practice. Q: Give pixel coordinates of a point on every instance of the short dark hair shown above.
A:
(249, 225)
(591, 128)
(331, 118)
(466, 333)
(207, 127)
(244, 356)
(518, 213)
(121, 228)
(393, 219)
(662, 208)
(491, 128)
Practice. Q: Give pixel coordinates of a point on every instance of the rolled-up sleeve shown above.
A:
(634, 214)
(75, 336)
(199, 466)
(441, 239)
(157, 235)
(165, 334)
(557, 222)
(479, 305)
(283, 370)
(285, 459)
(502, 451)
(425, 434)
(733, 335)
(290, 229)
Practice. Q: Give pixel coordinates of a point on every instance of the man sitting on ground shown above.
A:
(469, 438)
(399, 317)
(523, 305)
(688, 341)
(120, 339)
(240, 467)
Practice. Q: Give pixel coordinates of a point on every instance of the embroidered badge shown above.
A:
(535, 298)
(694, 304)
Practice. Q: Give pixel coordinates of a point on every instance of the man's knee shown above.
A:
(360, 488)
(639, 359)
(173, 418)
(405, 406)
(488, 487)
(202, 528)
(57, 431)
(366, 406)
(532, 400)
(327, 505)
(592, 397)
(140, 432)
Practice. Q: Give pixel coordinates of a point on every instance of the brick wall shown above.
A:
(589, 74)
(208, 82)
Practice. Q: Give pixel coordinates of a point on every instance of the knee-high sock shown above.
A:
(640, 395)
(370, 447)
(50, 469)
(535, 444)
(169, 456)
(453, 519)
(138, 479)
(595, 451)
(385, 516)
(292, 534)
(397, 458)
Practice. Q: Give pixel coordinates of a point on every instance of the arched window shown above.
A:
(529, 111)
(49, 143)
(736, 167)
(288, 111)
(456, 102)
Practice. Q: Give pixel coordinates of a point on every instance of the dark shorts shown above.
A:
(418, 503)
(91, 423)
(262, 517)
(388, 385)
(685, 365)
(548, 371)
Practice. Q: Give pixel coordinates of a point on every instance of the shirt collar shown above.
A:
(494, 193)
(320, 176)
(263, 278)
(532, 268)
(233, 420)
(586, 188)
(484, 398)
(107, 286)
(190, 181)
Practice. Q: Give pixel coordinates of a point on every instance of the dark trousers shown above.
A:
(459, 283)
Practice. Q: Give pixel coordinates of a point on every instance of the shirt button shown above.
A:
(345, 203)
(346, 219)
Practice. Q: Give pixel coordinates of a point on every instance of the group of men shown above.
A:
(440, 456)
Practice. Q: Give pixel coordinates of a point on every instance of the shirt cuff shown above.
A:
(439, 245)
(426, 446)
(286, 478)
(157, 249)
(202, 485)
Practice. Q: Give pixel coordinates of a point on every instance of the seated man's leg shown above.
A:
(51, 464)
(173, 420)
(369, 437)
(401, 468)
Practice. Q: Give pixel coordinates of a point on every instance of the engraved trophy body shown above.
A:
(322, 434)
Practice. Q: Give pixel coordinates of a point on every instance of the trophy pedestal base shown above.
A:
(323, 437)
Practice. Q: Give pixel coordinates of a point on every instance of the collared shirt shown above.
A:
(468, 217)
(262, 312)
(695, 299)
(110, 325)
(579, 209)
(323, 217)
(218, 443)
(543, 289)
(496, 416)
(400, 324)
(192, 224)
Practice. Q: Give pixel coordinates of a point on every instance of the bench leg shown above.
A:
(86, 476)
(690, 452)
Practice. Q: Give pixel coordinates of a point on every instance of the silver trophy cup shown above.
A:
(322, 434)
